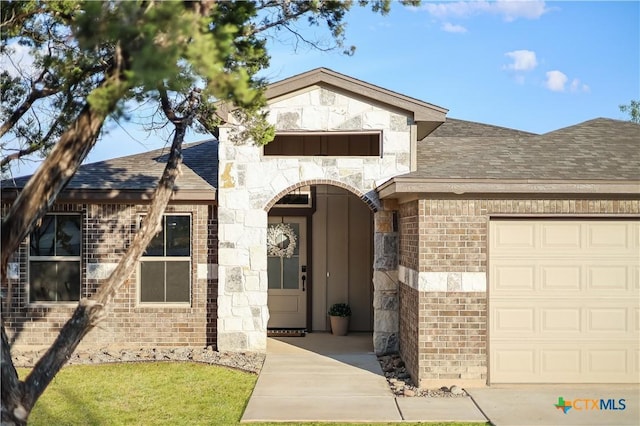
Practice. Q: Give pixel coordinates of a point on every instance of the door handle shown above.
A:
(304, 279)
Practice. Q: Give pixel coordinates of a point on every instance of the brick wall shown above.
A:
(410, 332)
(408, 227)
(108, 229)
(453, 337)
(452, 238)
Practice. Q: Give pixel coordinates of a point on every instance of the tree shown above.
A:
(633, 109)
(90, 60)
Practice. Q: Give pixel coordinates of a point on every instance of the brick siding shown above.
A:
(452, 326)
(409, 331)
(108, 230)
(408, 224)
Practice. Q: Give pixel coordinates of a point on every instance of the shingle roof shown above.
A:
(599, 149)
(140, 172)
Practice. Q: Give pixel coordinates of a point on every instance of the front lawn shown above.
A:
(148, 394)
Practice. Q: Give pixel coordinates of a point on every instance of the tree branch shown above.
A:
(91, 311)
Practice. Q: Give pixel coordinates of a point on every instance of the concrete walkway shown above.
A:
(321, 377)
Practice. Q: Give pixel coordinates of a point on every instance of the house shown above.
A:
(482, 254)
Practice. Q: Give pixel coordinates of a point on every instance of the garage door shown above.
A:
(564, 301)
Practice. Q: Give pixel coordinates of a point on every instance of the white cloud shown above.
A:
(523, 60)
(451, 28)
(556, 81)
(509, 10)
(578, 86)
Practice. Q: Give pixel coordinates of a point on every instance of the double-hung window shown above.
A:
(165, 267)
(54, 259)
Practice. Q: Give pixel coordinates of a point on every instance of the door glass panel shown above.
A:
(274, 272)
(290, 276)
(296, 231)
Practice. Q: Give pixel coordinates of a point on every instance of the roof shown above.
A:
(136, 176)
(471, 157)
(427, 116)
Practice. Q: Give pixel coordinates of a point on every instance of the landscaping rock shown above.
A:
(401, 385)
(248, 361)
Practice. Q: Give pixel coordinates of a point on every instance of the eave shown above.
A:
(412, 188)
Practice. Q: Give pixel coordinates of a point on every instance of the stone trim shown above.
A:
(369, 199)
(443, 281)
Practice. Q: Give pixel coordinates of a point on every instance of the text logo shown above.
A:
(584, 404)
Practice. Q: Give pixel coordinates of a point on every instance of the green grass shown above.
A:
(149, 394)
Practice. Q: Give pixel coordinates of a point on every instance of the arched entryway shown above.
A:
(320, 252)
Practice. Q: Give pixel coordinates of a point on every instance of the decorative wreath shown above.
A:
(281, 240)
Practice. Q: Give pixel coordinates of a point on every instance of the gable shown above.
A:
(427, 117)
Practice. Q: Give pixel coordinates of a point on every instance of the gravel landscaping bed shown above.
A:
(246, 361)
(402, 386)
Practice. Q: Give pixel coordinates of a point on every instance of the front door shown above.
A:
(287, 271)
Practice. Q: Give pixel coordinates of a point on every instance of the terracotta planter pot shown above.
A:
(339, 325)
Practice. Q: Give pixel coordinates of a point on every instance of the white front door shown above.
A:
(287, 270)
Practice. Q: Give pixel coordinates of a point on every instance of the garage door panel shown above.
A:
(544, 362)
(560, 235)
(560, 277)
(514, 236)
(513, 276)
(510, 361)
(518, 320)
(608, 361)
(564, 301)
(610, 320)
(561, 320)
(607, 235)
(566, 361)
(607, 277)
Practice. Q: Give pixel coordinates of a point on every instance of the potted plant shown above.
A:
(339, 314)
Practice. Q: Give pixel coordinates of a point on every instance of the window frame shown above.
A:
(55, 258)
(325, 137)
(153, 258)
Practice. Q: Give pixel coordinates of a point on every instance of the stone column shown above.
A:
(242, 254)
(385, 280)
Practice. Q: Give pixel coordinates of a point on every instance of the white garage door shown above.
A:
(564, 301)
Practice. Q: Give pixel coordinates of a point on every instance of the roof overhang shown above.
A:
(412, 188)
(119, 196)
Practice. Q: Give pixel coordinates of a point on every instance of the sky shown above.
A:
(530, 65)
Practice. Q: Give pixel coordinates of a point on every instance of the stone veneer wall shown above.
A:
(108, 230)
(250, 183)
(451, 277)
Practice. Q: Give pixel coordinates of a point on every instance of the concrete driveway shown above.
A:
(524, 405)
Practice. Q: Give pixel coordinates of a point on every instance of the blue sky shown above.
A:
(530, 65)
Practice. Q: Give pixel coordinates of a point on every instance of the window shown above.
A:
(54, 259)
(332, 144)
(165, 268)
